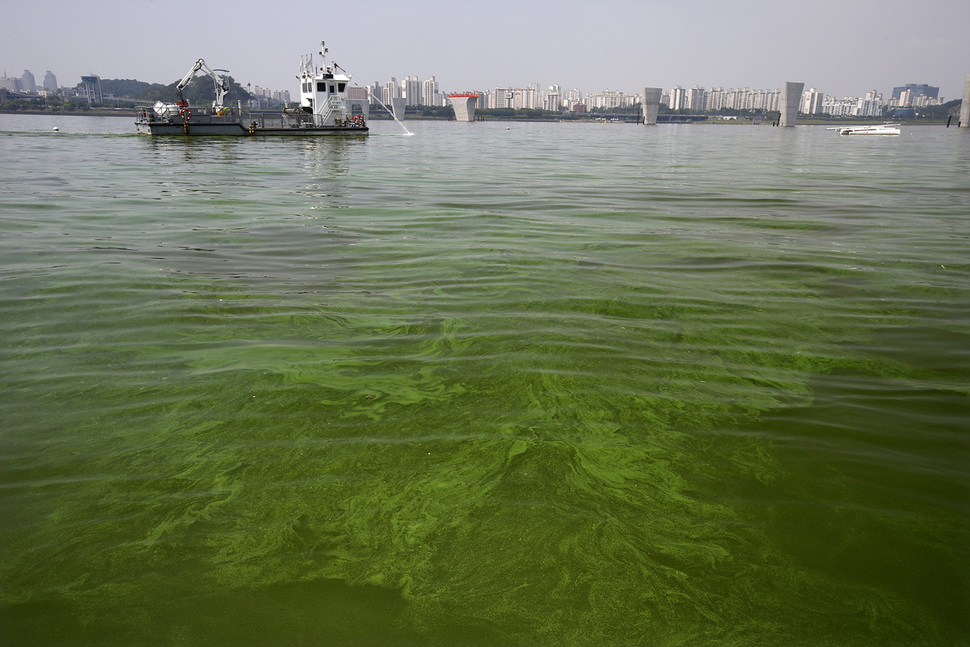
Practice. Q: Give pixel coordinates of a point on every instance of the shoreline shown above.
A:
(808, 121)
(115, 112)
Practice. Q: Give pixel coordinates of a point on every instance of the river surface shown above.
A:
(495, 384)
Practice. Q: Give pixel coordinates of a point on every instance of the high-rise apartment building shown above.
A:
(868, 108)
(553, 98)
(772, 99)
(27, 82)
(678, 98)
(572, 97)
(50, 82)
(697, 99)
(715, 98)
(411, 91)
(432, 96)
(501, 98)
(838, 107)
(812, 102)
(391, 91)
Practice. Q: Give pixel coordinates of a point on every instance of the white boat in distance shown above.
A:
(881, 129)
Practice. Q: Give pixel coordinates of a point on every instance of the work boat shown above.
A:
(881, 129)
(323, 108)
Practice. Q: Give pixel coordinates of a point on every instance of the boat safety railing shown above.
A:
(277, 121)
(176, 114)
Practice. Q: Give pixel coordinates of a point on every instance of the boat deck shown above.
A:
(230, 121)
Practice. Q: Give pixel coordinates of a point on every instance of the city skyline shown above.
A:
(623, 45)
(427, 92)
(416, 92)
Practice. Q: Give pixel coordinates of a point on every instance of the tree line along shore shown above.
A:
(510, 114)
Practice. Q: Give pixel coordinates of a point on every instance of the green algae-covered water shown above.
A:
(494, 384)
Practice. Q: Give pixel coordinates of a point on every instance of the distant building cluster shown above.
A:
(813, 102)
(554, 98)
(415, 92)
(873, 104)
(26, 84)
(696, 99)
(282, 96)
(89, 89)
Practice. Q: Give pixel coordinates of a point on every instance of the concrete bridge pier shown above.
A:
(791, 97)
(650, 103)
(464, 105)
(965, 106)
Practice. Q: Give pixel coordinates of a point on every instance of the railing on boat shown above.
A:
(276, 120)
(257, 120)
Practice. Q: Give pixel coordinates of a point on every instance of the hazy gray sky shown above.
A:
(842, 48)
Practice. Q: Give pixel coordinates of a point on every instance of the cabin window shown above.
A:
(321, 87)
(341, 86)
(331, 88)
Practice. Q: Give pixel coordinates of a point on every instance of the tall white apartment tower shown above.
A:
(678, 98)
(812, 102)
(697, 99)
(715, 98)
(412, 91)
(430, 92)
(392, 90)
(553, 98)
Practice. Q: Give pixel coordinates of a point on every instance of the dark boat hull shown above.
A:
(233, 126)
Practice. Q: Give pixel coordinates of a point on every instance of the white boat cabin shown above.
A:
(323, 90)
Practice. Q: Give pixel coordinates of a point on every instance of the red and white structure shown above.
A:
(464, 105)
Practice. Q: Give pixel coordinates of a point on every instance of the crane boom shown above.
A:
(221, 86)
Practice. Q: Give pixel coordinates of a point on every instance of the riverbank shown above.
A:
(94, 112)
(805, 121)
